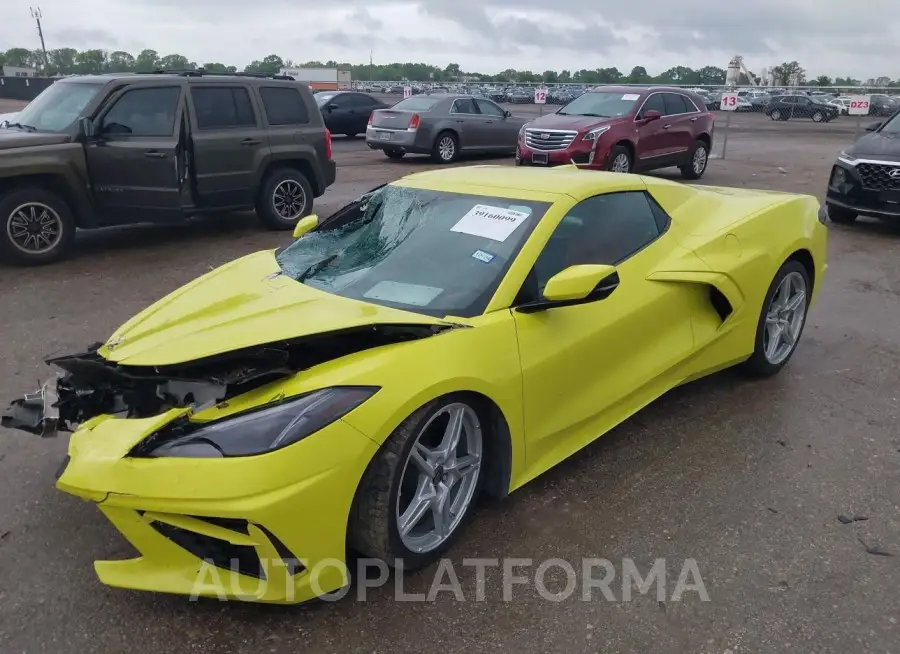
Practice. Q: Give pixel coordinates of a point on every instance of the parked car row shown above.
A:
(621, 129)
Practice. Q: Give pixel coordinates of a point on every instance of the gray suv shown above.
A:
(104, 150)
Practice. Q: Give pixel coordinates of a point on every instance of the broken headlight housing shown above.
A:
(262, 430)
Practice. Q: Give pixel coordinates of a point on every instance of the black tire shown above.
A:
(617, 152)
(396, 155)
(688, 171)
(446, 142)
(14, 207)
(775, 115)
(817, 117)
(266, 202)
(372, 529)
(841, 216)
(758, 365)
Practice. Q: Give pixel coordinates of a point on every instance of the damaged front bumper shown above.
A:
(35, 413)
(267, 528)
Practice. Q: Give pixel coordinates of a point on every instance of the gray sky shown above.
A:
(833, 37)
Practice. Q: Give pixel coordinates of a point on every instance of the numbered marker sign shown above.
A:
(407, 91)
(859, 105)
(540, 96)
(729, 101)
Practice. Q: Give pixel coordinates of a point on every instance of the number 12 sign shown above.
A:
(540, 96)
(729, 101)
(859, 105)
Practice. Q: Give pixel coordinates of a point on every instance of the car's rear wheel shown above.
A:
(781, 321)
(446, 148)
(285, 197)
(395, 154)
(421, 486)
(775, 115)
(36, 227)
(842, 216)
(620, 160)
(698, 158)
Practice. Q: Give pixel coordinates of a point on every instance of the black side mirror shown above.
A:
(873, 127)
(86, 128)
(331, 107)
(507, 114)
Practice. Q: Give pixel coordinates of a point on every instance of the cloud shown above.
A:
(830, 37)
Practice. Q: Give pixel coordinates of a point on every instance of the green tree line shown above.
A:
(69, 61)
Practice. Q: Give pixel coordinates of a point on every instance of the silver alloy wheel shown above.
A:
(817, 117)
(699, 162)
(34, 228)
(439, 478)
(621, 163)
(289, 199)
(446, 148)
(776, 115)
(784, 318)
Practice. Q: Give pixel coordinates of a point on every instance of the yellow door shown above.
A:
(587, 367)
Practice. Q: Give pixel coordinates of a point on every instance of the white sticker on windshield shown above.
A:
(495, 223)
(412, 294)
(630, 96)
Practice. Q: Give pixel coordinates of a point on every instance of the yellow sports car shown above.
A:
(452, 333)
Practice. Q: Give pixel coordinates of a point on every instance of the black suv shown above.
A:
(865, 178)
(105, 150)
(785, 107)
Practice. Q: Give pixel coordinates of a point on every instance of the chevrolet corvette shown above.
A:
(451, 334)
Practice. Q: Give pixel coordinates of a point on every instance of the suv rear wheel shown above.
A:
(36, 227)
(697, 160)
(286, 197)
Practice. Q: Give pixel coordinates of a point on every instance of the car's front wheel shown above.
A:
(620, 160)
(421, 486)
(36, 227)
(781, 321)
(818, 117)
(775, 115)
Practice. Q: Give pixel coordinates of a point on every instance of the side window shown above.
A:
(692, 106)
(488, 108)
(144, 112)
(604, 229)
(464, 106)
(341, 101)
(674, 104)
(360, 101)
(222, 107)
(284, 105)
(656, 103)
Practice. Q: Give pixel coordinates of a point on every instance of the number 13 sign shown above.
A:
(729, 101)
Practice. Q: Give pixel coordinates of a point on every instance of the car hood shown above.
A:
(580, 123)
(877, 145)
(242, 304)
(18, 138)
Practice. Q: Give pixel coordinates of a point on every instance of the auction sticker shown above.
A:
(495, 223)
(631, 96)
(481, 255)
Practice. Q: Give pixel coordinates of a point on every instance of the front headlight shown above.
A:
(595, 133)
(522, 130)
(262, 430)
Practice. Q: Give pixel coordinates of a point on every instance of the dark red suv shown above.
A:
(624, 129)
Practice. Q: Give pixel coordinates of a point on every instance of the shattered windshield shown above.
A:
(432, 252)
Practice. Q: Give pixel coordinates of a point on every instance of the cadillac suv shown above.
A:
(623, 129)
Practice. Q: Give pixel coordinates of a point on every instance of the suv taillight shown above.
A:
(414, 122)
(327, 144)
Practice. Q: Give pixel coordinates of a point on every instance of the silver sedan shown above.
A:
(444, 126)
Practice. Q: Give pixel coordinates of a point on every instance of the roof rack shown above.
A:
(200, 72)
